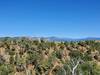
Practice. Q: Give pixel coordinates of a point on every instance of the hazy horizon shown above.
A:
(52, 37)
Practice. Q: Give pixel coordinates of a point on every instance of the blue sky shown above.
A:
(61, 18)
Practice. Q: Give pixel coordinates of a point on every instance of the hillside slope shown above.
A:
(25, 56)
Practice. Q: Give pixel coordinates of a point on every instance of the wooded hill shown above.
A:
(25, 56)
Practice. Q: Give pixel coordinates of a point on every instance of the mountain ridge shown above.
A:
(70, 39)
(59, 39)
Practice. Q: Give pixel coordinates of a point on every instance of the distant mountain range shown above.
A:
(52, 38)
(70, 39)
